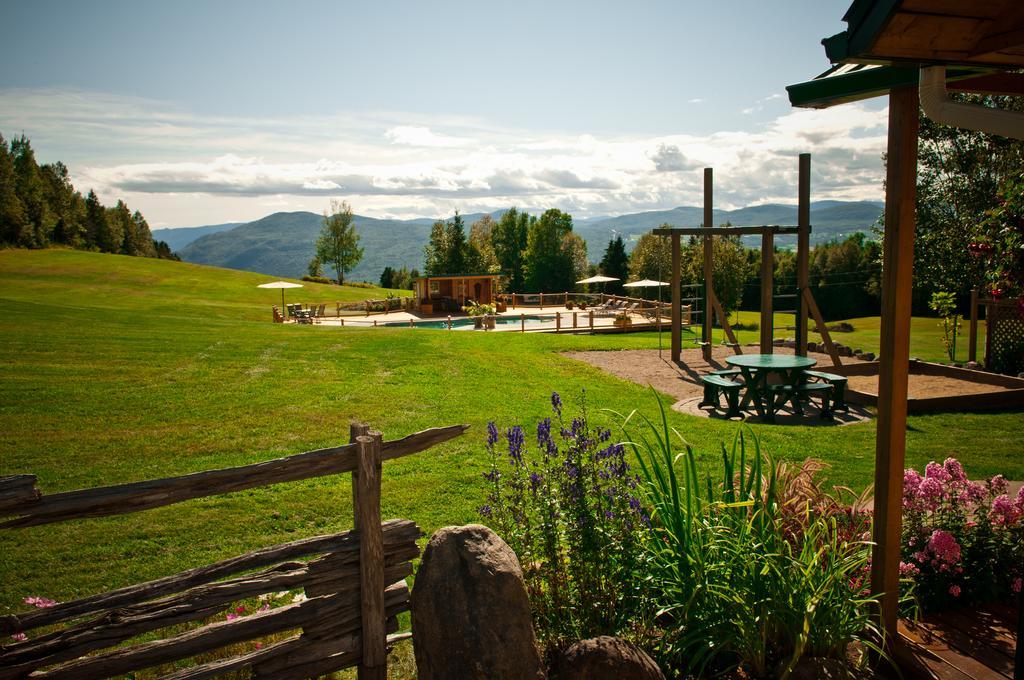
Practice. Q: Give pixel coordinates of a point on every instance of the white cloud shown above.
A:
(180, 168)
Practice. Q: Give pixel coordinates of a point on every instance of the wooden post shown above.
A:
(574, 320)
(677, 324)
(803, 247)
(591, 320)
(767, 288)
(342, 319)
(522, 323)
(373, 664)
(897, 269)
(709, 219)
(566, 303)
(558, 321)
(830, 346)
(972, 339)
(356, 430)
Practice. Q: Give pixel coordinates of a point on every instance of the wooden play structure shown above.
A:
(712, 308)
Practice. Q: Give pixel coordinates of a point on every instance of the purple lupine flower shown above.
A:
(535, 481)
(485, 511)
(556, 403)
(609, 514)
(492, 476)
(492, 435)
(604, 435)
(515, 444)
(634, 504)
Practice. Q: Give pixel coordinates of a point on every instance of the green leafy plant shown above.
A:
(759, 570)
(944, 304)
(477, 309)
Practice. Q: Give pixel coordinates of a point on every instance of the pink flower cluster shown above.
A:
(942, 483)
(41, 602)
(1005, 512)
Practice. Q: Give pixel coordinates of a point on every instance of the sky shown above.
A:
(204, 112)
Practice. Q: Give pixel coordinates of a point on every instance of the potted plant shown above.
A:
(478, 311)
(623, 320)
(569, 304)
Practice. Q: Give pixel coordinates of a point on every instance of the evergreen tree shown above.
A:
(95, 221)
(111, 235)
(338, 244)
(458, 248)
(615, 263)
(481, 246)
(508, 239)
(387, 278)
(12, 212)
(32, 192)
(435, 253)
(144, 245)
(66, 204)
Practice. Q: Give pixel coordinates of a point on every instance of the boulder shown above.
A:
(470, 612)
(606, 658)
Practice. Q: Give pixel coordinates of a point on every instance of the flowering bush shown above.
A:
(569, 510)
(963, 541)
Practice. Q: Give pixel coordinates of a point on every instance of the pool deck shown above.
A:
(582, 320)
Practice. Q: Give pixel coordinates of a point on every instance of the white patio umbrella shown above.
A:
(598, 279)
(282, 285)
(648, 283)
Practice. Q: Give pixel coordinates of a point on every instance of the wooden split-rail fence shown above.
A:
(353, 582)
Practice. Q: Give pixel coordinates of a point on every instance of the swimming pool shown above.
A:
(467, 323)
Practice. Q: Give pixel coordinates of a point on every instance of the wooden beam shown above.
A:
(998, 42)
(830, 346)
(709, 288)
(803, 248)
(724, 231)
(972, 333)
(373, 664)
(677, 327)
(767, 290)
(993, 83)
(126, 498)
(894, 364)
(725, 323)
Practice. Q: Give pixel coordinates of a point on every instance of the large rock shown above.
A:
(606, 658)
(470, 612)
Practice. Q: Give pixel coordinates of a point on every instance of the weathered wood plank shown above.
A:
(373, 665)
(17, 491)
(213, 636)
(342, 548)
(155, 493)
(222, 666)
(819, 321)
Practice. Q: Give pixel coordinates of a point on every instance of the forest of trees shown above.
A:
(39, 207)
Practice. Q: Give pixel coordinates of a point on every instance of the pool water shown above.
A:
(466, 322)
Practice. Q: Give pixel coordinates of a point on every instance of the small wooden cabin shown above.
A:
(446, 294)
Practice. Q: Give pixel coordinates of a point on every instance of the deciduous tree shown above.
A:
(338, 244)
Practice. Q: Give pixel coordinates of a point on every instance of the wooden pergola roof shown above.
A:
(887, 41)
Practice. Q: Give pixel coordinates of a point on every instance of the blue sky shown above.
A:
(202, 112)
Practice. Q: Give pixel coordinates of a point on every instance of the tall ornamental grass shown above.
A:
(757, 570)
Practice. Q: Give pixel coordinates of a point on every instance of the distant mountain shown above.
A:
(283, 243)
(829, 220)
(179, 237)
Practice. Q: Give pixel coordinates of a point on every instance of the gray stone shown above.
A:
(606, 658)
(868, 356)
(470, 612)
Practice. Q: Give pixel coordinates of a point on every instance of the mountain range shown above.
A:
(282, 244)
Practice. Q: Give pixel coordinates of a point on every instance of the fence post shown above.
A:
(373, 664)
(342, 320)
(522, 322)
(591, 320)
(558, 321)
(574, 319)
(566, 302)
(972, 337)
(449, 322)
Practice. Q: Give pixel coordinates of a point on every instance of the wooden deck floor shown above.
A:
(974, 645)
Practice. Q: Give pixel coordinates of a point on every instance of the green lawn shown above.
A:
(117, 369)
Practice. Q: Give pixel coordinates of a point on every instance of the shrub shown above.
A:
(963, 541)
(567, 507)
(319, 279)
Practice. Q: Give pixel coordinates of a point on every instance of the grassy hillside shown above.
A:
(118, 369)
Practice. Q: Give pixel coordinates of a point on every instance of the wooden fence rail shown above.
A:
(353, 582)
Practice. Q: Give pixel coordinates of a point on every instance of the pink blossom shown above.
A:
(909, 569)
(1003, 512)
(40, 602)
(232, 616)
(943, 545)
(264, 608)
(1016, 585)
(998, 485)
(21, 637)
(930, 491)
(935, 471)
(1019, 503)
(974, 492)
(955, 470)
(258, 645)
(954, 591)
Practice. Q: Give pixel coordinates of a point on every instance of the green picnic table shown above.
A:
(757, 367)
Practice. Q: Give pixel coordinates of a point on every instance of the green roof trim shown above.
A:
(853, 82)
(865, 20)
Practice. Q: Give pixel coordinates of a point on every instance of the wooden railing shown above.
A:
(353, 582)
